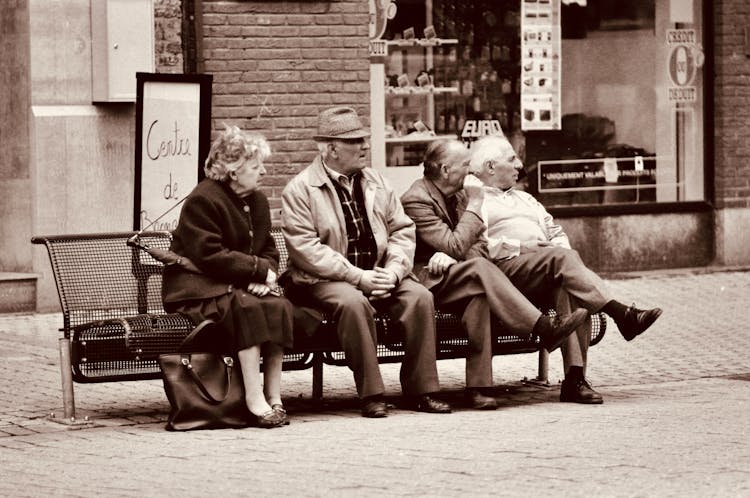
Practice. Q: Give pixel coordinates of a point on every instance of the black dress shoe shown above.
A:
(479, 401)
(428, 404)
(374, 407)
(579, 391)
(562, 327)
(636, 321)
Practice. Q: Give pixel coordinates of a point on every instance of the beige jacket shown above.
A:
(315, 230)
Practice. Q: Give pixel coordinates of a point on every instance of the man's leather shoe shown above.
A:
(636, 321)
(579, 391)
(479, 401)
(374, 407)
(428, 404)
(562, 327)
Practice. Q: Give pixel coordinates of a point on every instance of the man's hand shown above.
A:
(377, 283)
(439, 263)
(534, 245)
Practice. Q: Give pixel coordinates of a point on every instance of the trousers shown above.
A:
(483, 290)
(557, 275)
(410, 307)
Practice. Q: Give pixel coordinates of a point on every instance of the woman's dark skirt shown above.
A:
(244, 320)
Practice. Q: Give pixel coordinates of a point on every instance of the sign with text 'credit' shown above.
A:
(685, 58)
(172, 140)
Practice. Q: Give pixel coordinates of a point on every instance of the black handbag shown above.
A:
(205, 390)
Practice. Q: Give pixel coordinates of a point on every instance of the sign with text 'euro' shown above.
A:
(475, 128)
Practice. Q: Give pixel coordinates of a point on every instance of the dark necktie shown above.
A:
(452, 204)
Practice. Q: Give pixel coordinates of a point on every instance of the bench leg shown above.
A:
(317, 368)
(543, 370)
(66, 374)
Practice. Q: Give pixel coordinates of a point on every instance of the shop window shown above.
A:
(603, 99)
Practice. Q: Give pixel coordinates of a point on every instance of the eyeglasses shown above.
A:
(352, 141)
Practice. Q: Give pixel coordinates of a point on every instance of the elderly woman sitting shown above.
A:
(224, 230)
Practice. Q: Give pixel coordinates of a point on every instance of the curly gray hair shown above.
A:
(230, 150)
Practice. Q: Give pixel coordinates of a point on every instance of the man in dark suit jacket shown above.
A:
(451, 261)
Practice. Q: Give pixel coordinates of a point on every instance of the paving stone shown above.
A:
(674, 421)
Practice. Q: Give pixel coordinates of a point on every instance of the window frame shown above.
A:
(708, 204)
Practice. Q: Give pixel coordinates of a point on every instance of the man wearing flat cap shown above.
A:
(351, 250)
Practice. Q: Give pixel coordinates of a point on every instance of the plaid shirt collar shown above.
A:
(343, 180)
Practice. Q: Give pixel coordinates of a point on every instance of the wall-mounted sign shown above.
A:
(607, 173)
(381, 11)
(685, 57)
(540, 65)
(475, 128)
(173, 133)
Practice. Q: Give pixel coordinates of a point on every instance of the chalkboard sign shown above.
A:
(173, 133)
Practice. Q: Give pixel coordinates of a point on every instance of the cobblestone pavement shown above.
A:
(674, 422)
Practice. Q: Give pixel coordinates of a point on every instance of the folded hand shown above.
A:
(377, 283)
(439, 263)
(257, 289)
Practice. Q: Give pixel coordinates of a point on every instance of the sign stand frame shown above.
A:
(204, 81)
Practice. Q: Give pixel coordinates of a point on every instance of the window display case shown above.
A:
(603, 101)
(414, 85)
(445, 69)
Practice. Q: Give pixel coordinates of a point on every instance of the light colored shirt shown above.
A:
(512, 217)
(342, 180)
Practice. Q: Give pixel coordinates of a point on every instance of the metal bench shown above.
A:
(114, 325)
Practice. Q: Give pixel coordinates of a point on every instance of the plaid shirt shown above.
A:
(361, 249)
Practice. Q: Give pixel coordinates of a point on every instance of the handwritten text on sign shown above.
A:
(169, 155)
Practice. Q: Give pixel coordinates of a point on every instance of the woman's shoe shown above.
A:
(268, 420)
(279, 408)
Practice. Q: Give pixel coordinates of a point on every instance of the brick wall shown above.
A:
(168, 36)
(277, 64)
(732, 104)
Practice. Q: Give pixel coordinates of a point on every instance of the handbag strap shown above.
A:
(228, 361)
(194, 333)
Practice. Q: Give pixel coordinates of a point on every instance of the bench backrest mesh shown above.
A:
(99, 277)
(278, 239)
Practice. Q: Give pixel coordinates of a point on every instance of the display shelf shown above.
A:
(415, 138)
(466, 76)
(418, 90)
(422, 42)
(421, 65)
